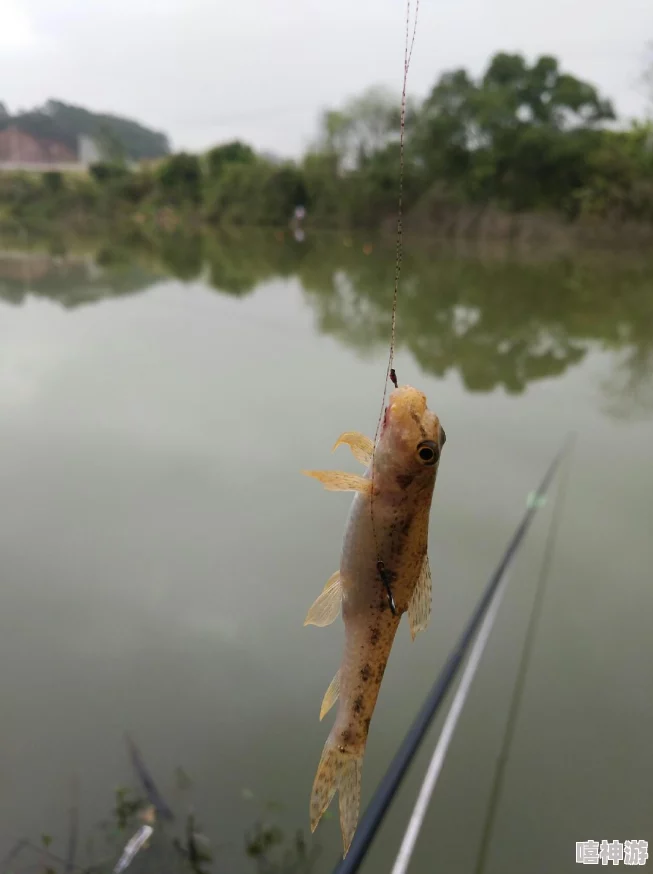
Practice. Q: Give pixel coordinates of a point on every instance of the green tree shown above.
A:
(365, 125)
(256, 193)
(104, 171)
(180, 179)
(138, 141)
(325, 189)
(53, 182)
(518, 135)
(620, 176)
(234, 152)
(65, 123)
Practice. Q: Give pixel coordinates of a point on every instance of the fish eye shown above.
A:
(428, 452)
(443, 437)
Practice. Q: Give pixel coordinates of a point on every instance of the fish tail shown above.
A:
(339, 769)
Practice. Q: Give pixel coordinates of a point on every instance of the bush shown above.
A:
(104, 172)
(180, 179)
(229, 153)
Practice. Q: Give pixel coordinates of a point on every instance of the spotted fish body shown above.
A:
(385, 545)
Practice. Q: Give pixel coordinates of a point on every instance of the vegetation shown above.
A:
(521, 139)
(176, 844)
(118, 137)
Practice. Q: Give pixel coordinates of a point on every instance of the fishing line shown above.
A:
(390, 371)
(390, 782)
(518, 689)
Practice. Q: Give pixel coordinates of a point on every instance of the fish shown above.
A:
(384, 572)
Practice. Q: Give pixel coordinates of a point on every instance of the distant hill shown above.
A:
(65, 123)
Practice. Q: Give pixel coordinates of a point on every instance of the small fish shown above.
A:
(384, 573)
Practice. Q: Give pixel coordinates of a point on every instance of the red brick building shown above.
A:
(17, 147)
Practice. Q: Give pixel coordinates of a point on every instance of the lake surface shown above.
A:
(160, 548)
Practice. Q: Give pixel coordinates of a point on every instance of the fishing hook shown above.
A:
(385, 579)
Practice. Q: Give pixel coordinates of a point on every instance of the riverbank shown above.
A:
(79, 212)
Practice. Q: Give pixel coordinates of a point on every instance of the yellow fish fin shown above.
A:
(326, 606)
(362, 447)
(419, 608)
(340, 481)
(342, 771)
(330, 696)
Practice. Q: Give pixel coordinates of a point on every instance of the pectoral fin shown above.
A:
(340, 481)
(361, 446)
(419, 608)
(326, 606)
(330, 696)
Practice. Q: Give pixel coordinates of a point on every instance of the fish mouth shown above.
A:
(406, 419)
(405, 402)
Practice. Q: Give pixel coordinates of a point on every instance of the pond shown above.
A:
(160, 548)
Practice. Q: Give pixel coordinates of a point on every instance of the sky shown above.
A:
(205, 71)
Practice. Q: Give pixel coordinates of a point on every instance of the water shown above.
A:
(160, 548)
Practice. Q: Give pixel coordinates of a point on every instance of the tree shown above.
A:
(180, 178)
(540, 94)
(256, 193)
(366, 124)
(234, 152)
(138, 141)
(518, 135)
(234, 198)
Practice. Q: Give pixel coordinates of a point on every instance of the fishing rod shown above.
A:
(434, 769)
(524, 663)
(416, 821)
(387, 788)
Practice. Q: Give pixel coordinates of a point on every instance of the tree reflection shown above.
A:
(496, 321)
(71, 280)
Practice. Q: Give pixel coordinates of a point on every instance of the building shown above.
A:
(88, 151)
(22, 151)
(18, 147)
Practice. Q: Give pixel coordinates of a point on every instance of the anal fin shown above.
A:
(419, 608)
(326, 606)
(330, 696)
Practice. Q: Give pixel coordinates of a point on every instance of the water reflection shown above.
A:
(128, 497)
(497, 322)
(72, 279)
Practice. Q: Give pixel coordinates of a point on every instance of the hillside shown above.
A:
(65, 123)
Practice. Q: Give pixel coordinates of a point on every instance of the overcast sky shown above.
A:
(208, 70)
